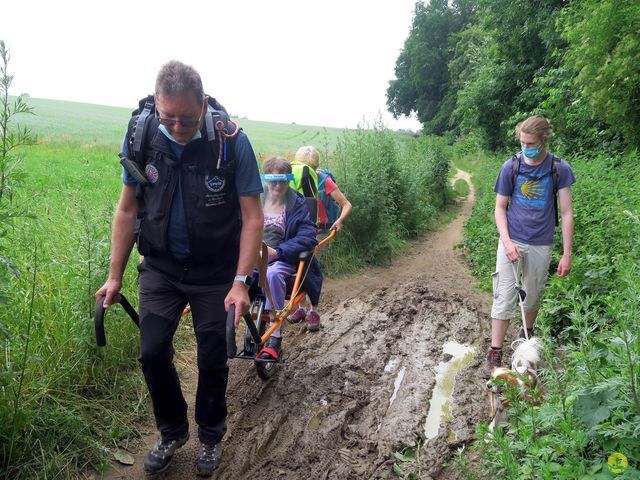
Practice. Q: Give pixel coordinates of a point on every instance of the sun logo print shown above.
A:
(533, 192)
(532, 189)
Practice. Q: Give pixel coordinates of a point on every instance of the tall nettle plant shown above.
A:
(12, 136)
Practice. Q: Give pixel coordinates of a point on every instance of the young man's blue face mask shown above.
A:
(530, 152)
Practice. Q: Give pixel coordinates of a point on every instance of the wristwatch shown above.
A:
(246, 279)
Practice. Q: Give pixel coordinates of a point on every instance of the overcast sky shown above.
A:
(322, 62)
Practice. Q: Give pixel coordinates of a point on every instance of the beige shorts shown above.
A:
(533, 269)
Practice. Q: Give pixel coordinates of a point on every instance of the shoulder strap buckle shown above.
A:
(140, 128)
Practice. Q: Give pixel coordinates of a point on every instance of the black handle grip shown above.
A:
(98, 319)
(133, 169)
(231, 332)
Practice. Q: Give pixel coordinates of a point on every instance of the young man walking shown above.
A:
(526, 213)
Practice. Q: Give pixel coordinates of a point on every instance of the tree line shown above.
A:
(480, 66)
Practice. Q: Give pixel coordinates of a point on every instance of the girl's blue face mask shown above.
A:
(530, 152)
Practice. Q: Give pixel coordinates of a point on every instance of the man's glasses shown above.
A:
(172, 122)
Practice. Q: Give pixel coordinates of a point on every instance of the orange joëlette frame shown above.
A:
(296, 294)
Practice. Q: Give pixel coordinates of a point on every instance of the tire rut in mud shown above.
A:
(351, 395)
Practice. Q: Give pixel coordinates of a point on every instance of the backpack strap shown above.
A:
(322, 193)
(208, 122)
(308, 187)
(137, 138)
(555, 177)
(515, 170)
(219, 125)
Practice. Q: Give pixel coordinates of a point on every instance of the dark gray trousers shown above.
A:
(163, 297)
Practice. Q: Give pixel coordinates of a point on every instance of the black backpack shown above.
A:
(555, 178)
(330, 205)
(217, 122)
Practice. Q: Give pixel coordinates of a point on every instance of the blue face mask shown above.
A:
(530, 152)
(164, 130)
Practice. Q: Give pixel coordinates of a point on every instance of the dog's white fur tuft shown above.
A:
(526, 354)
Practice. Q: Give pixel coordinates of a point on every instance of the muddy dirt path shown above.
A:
(363, 387)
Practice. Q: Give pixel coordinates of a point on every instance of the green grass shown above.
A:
(76, 400)
(89, 124)
(76, 122)
(461, 188)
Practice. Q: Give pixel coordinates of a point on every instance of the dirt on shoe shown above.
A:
(313, 321)
(209, 459)
(297, 316)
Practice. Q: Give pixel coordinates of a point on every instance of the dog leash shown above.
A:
(521, 295)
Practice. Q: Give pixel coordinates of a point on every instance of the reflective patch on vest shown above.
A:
(151, 172)
(214, 183)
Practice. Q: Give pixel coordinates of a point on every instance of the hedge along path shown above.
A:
(339, 408)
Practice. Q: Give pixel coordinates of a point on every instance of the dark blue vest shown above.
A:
(209, 196)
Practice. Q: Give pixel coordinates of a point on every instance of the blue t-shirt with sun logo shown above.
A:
(531, 214)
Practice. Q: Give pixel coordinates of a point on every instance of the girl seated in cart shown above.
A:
(288, 231)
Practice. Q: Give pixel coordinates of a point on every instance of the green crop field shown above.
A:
(89, 124)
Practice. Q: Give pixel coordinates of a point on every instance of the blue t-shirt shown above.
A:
(531, 214)
(247, 179)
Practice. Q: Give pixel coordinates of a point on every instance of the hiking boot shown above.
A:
(159, 457)
(209, 459)
(297, 316)
(313, 321)
(494, 360)
(521, 333)
(272, 349)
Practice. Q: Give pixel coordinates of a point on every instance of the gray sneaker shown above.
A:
(209, 459)
(159, 457)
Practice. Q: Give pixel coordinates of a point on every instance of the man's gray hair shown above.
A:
(176, 78)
